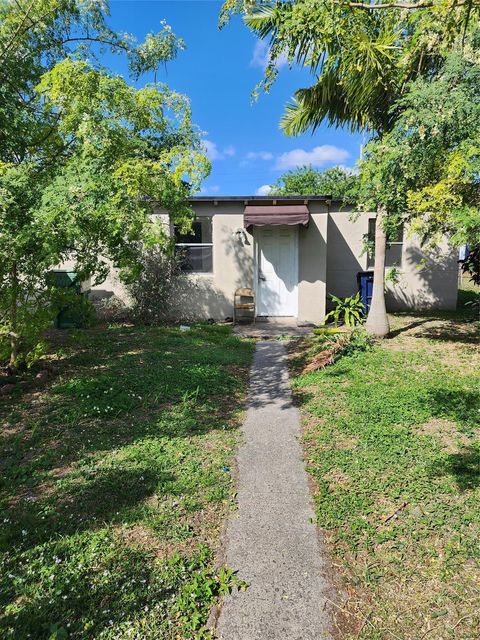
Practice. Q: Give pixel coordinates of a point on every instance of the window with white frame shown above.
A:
(393, 254)
(196, 246)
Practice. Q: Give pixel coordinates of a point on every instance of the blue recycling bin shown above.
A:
(365, 286)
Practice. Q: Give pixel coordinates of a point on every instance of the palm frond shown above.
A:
(263, 21)
(324, 101)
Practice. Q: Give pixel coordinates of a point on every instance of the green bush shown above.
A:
(78, 308)
(33, 317)
(154, 292)
(474, 305)
(350, 310)
(359, 342)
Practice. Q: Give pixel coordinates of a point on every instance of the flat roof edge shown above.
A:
(256, 198)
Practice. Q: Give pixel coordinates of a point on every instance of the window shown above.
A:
(196, 247)
(393, 254)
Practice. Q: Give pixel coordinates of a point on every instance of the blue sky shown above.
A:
(218, 71)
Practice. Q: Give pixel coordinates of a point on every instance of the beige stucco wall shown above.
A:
(211, 295)
(328, 262)
(204, 296)
(427, 279)
(312, 266)
(345, 242)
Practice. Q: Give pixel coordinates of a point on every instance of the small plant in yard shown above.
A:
(350, 310)
(359, 342)
(31, 321)
(35, 316)
(474, 306)
(193, 604)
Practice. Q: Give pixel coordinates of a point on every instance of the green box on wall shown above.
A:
(66, 318)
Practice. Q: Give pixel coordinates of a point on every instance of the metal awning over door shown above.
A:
(282, 214)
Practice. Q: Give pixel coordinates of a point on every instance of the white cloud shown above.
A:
(211, 150)
(208, 189)
(214, 153)
(259, 155)
(261, 56)
(317, 157)
(264, 190)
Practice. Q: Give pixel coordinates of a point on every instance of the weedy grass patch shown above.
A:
(115, 483)
(392, 442)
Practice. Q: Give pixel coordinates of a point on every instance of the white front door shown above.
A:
(277, 270)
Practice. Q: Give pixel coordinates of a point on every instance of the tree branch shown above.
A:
(111, 43)
(44, 138)
(10, 334)
(18, 30)
(411, 6)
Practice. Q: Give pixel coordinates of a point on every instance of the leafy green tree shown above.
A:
(337, 182)
(426, 170)
(362, 56)
(82, 155)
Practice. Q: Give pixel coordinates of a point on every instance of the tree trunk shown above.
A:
(13, 319)
(377, 320)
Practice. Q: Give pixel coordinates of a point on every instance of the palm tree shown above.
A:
(362, 57)
(377, 320)
(356, 86)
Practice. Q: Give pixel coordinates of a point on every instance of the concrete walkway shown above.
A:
(272, 540)
(272, 328)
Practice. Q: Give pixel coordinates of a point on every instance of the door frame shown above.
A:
(256, 264)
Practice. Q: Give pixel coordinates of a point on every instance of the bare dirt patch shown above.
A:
(337, 478)
(141, 536)
(347, 442)
(448, 338)
(447, 432)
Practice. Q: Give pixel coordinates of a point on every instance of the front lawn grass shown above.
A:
(392, 443)
(116, 477)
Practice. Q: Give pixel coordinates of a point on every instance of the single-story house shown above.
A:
(293, 252)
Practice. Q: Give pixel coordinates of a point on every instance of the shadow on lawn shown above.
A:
(464, 466)
(447, 326)
(460, 333)
(450, 402)
(407, 327)
(92, 584)
(121, 388)
(459, 405)
(85, 502)
(89, 604)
